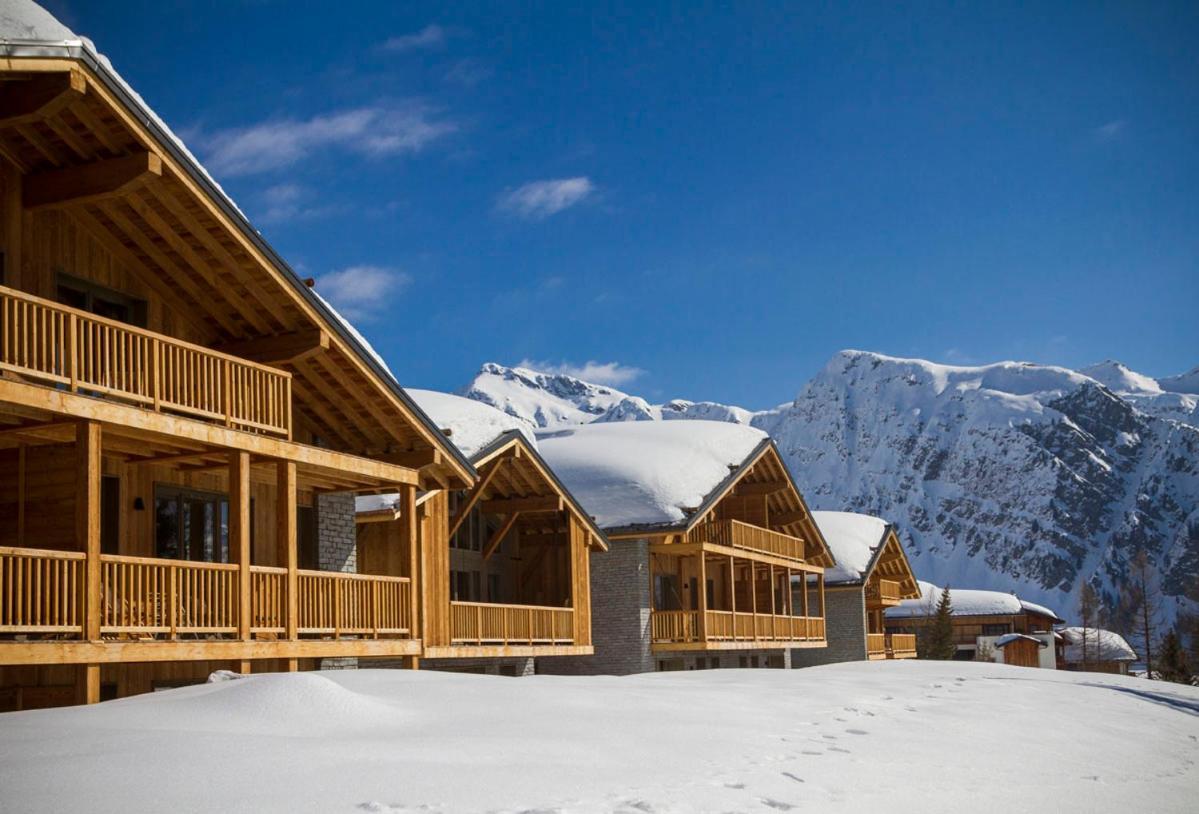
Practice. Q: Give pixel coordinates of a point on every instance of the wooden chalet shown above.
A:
(181, 418)
(980, 618)
(872, 573)
(734, 579)
(506, 562)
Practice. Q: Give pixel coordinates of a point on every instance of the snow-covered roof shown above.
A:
(1102, 645)
(646, 473)
(853, 539)
(1033, 607)
(1008, 638)
(964, 602)
(473, 425)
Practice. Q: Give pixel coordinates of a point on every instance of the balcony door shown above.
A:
(191, 525)
(100, 300)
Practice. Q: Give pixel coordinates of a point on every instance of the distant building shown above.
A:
(1104, 651)
(871, 573)
(981, 620)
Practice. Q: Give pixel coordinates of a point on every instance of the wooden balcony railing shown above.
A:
(43, 591)
(682, 627)
(73, 349)
(748, 537)
(901, 646)
(482, 623)
(883, 592)
(876, 645)
(359, 604)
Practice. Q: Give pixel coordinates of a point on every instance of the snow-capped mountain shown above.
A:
(1011, 476)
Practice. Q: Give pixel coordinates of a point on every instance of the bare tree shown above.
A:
(1145, 603)
(1088, 612)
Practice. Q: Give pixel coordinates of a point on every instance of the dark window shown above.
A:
(191, 525)
(493, 588)
(464, 586)
(100, 300)
(110, 514)
(308, 556)
(666, 593)
(997, 630)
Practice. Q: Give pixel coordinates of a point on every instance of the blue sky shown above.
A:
(702, 202)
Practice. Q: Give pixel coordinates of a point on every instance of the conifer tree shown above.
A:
(1088, 612)
(940, 633)
(1172, 660)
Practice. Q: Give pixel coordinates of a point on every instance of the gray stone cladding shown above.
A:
(620, 607)
(337, 548)
(845, 629)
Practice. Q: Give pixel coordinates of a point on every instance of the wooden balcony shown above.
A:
(72, 349)
(882, 593)
(728, 630)
(144, 599)
(748, 537)
(481, 623)
(901, 645)
(876, 646)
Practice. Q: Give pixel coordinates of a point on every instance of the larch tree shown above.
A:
(1172, 661)
(1142, 602)
(1088, 613)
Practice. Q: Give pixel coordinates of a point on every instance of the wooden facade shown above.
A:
(888, 580)
(746, 572)
(968, 628)
(505, 568)
(173, 400)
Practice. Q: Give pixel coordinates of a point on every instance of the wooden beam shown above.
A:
(786, 518)
(87, 520)
(105, 652)
(526, 505)
(101, 179)
(496, 539)
(285, 539)
(472, 498)
(181, 457)
(764, 488)
(410, 531)
(239, 534)
(280, 348)
(417, 458)
(40, 97)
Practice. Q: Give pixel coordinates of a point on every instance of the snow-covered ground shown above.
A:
(888, 737)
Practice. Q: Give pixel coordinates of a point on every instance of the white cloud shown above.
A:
(430, 37)
(537, 200)
(1110, 131)
(362, 292)
(378, 130)
(291, 202)
(610, 373)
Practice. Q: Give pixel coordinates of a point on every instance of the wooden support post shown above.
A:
(242, 666)
(773, 611)
(293, 665)
(411, 530)
(733, 594)
(285, 539)
(753, 596)
(87, 521)
(87, 683)
(703, 597)
(239, 535)
(411, 662)
(807, 625)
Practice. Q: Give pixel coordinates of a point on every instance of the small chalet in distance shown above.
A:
(872, 573)
(708, 535)
(1105, 652)
(983, 621)
(505, 562)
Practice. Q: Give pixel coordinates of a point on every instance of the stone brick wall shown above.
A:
(723, 660)
(337, 548)
(845, 630)
(523, 666)
(620, 603)
(337, 541)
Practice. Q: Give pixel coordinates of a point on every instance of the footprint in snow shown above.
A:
(839, 749)
(793, 777)
(811, 752)
(829, 737)
(778, 805)
(734, 785)
(856, 732)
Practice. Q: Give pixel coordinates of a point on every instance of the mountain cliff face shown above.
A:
(1009, 476)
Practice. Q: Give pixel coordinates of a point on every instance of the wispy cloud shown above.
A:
(466, 72)
(537, 200)
(362, 292)
(1110, 131)
(610, 373)
(292, 202)
(374, 131)
(429, 38)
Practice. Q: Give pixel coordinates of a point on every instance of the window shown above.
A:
(100, 300)
(464, 586)
(493, 588)
(110, 514)
(308, 551)
(666, 592)
(192, 525)
(997, 630)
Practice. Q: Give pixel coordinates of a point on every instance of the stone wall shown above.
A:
(337, 548)
(620, 607)
(522, 666)
(723, 660)
(845, 629)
